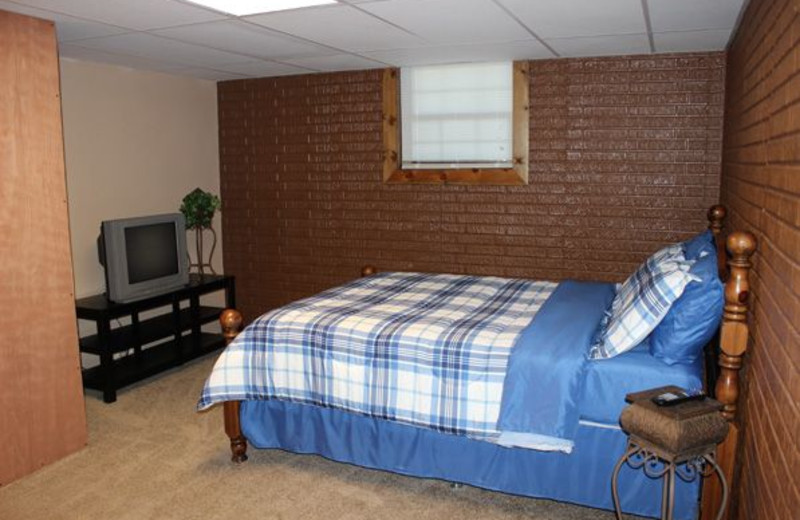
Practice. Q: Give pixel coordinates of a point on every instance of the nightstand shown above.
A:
(670, 441)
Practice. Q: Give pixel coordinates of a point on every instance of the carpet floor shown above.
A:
(151, 456)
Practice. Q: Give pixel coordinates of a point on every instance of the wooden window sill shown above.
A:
(485, 176)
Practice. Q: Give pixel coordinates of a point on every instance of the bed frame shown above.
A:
(722, 369)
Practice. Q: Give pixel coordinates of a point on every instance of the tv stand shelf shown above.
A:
(149, 330)
(179, 328)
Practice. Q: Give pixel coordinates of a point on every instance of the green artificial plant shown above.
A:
(198, 207)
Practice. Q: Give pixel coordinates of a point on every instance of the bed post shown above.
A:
(716, 217)
(734, 332)
(733, 345)
(231, 321)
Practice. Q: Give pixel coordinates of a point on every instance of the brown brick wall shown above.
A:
(761, 186)
(625, 156)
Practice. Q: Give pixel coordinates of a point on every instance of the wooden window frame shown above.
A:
(517, 174)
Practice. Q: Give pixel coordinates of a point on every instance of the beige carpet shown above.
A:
(151, 456)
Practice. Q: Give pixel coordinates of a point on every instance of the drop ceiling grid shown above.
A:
(180, 37)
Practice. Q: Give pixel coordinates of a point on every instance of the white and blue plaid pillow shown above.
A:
(642, 302)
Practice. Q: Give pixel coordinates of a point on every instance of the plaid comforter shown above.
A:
(429, 350)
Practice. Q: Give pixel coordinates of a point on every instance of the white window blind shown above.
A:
(457, 116)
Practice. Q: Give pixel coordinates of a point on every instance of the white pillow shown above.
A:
(642, 302)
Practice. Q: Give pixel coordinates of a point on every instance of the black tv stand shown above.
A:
(152, 344)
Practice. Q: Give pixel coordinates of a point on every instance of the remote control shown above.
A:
(677, 397)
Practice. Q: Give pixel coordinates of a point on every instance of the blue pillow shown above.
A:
(698, 243)
(695, 316)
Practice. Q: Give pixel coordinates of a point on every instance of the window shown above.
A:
(465, 124)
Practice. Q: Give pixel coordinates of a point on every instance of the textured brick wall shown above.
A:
(761, 186)
(625, 156)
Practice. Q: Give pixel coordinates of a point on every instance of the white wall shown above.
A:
(135, 143)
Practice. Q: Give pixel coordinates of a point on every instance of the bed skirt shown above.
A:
(583, 477)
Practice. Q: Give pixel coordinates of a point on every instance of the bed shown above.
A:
(519, 404)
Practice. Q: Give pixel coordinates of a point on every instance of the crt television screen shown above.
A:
(151, 251)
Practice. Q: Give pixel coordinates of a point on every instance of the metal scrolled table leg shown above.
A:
(710, 459)
(670, 488)
(615, 476)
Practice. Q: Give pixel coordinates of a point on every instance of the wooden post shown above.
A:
(716, 217)
(231, 321)
(234, 431)
(734, 332)
(733, 345)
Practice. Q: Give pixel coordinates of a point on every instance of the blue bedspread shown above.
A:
(428, 350)
(490, 358)
(547, 369)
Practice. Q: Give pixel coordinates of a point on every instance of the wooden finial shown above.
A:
(716, 215)
(742, 245)
(368, 270)
(734, 331)
(231, 322)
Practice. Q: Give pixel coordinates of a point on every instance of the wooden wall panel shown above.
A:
(41, 399)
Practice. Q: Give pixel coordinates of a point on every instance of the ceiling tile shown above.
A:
(157, 48)
(335, 63)
(244, 38)
(209, 74)
(451, 21)
(260, 68)
(140, 15)
(690, 15)
(68, 50)
(340, 26)
(685, 41)
(568, 18)
(361, 34)
(528, 49)
(68, 28)
(601, 45)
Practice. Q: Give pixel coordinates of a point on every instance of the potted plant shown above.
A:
(199, 207)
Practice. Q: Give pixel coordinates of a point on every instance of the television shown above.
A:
(143, 256)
